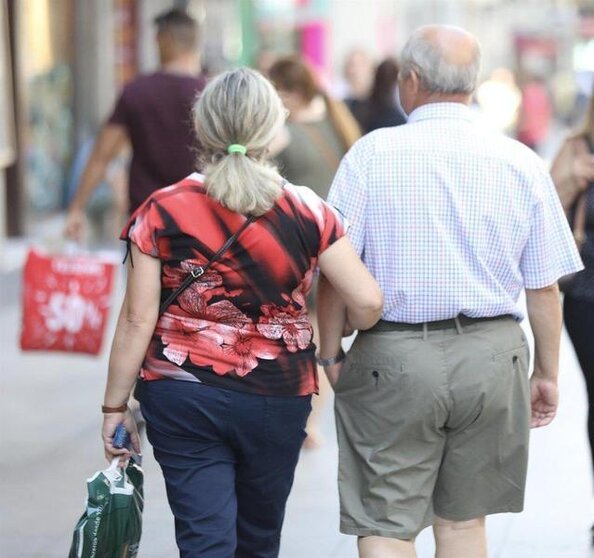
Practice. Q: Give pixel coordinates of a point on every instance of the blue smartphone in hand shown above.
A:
(121, 438)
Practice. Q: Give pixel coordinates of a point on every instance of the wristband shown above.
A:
(332, 360)
(108, 410)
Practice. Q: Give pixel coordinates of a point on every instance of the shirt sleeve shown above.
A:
(348, 194)
(550, 252)
(324, 225)
(332, 226)
(142, 228)
(121, 113)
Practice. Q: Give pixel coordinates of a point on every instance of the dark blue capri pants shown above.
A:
(228, 459)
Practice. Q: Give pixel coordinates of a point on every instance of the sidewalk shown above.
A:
(49, 445)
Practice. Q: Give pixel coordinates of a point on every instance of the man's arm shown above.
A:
(544, 313)
(111, 140)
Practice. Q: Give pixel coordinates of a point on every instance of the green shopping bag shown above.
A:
(111, 524)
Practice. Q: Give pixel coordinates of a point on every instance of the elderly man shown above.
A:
(433, 404)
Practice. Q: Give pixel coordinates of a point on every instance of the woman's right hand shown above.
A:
(110, 423)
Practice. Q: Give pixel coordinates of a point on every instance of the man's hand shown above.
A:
(112, 138)
(544, 312)
(333, 372)
(544, 398)
(75, 225)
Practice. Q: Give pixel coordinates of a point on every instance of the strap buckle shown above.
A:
(196, 272)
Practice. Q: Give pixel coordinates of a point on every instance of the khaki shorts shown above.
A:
(433, 421)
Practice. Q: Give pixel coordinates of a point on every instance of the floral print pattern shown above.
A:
(244, 323)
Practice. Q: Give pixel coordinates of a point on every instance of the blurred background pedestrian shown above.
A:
(319, 129)
(358, 72)
(152, 114)
(151, 117)
(381, 109)
(573, 174)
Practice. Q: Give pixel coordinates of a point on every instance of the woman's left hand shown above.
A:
(110, 422)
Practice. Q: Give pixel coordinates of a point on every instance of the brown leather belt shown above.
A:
(383, 325)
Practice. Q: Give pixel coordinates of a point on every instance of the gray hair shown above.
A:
(436, 73)
(240, 107)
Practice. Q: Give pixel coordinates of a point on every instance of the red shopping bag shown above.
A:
(66, 302)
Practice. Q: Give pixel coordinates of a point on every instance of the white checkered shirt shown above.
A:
(452, 219)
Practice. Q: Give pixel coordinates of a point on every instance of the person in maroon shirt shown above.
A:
(153, 115)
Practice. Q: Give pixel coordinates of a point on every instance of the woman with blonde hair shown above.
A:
(215, 324)
(573, 175)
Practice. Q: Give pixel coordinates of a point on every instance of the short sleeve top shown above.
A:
(244, 324)
(452, 219)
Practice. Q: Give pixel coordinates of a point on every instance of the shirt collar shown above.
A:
(456, 111)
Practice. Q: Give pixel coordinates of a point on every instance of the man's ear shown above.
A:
(414, 82)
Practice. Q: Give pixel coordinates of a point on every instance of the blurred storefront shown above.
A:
(583, 60)
(63, 62)
(519, 35)
(45, 76)
(7, 123)
(39, 35)
(43, 36)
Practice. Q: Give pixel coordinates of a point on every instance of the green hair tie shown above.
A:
(237, 148)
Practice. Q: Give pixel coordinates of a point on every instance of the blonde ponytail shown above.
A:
(240, 107)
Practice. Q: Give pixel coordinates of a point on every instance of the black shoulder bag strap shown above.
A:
(199, 271)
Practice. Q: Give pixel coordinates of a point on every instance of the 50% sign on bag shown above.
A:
(66, 302)
(111, 524)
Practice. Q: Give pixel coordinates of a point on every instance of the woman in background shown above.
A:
(573, 175)
(381, 109)
(358, 72)
(319, 131)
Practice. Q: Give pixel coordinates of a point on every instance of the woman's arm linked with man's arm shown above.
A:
(347, 295)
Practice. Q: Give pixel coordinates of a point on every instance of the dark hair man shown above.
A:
(153, 114)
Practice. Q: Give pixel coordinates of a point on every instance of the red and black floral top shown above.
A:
(243, 325)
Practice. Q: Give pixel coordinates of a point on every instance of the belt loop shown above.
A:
(458, 325)
(425, 331)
